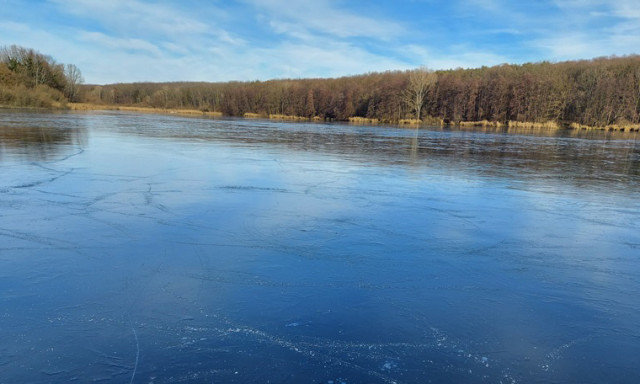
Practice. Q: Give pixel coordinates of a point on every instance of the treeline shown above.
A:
(376, 94)
(598, 92)
(31, 79)
(595, 92)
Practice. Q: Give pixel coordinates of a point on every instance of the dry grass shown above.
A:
(287, 117)
(409, 122)
(103, 107)
(533, 125)
(363, 120)
(611, 127)
(481, 123)
(293, 117)
(578, 126)
(41, 96)
(623, 127)
(250, 115)
(428, 120)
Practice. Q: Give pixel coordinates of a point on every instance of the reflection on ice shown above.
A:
(162, 249)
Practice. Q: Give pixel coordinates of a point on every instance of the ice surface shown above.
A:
(140, 248)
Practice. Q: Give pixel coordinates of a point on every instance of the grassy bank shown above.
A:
(363, 120)
(46, 99)
(171, 111)
(275, 116)
(41, 96)
(610, 128)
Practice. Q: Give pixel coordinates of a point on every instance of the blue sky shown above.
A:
(173, 40)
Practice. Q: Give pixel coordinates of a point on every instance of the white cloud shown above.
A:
(13, 27)
(461, 57)
(329, 58)
(592, 28)
(565, 47)
(26, 36)
(125, 44)
(626, 9)
(583, 46)
(135, 17)
(135, 40)
(175, 48)
(302, 17)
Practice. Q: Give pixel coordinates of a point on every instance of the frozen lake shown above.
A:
(160, 249)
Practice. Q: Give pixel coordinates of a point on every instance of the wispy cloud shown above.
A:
(171, 40)
(304, 17)
(459, 57)
(333, 59)
(158, 24)
(14, 27)
(592, 28)
(126, 44)
(135, 17)
(567, 46)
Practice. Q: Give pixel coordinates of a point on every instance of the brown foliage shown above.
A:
(40, 97)
(31, 79)
(597, 92)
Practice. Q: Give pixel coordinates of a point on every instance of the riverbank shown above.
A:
(428, 121)
(170, 111)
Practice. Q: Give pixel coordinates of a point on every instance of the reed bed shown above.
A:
(481, 123)
(610, 127)
(287, 117)
(363, 120)
(533, 125)
(105, 107)
(409, 122)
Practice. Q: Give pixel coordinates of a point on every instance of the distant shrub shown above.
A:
(481, 123)
(533, 125)
(41, 96)
(409, 122)
(363, 120)
(287, 117)
(8, 78)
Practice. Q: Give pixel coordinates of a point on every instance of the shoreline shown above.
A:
(355, 120)
(166, 111)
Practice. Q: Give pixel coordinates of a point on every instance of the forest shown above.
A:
(596, 93)
(31, 79)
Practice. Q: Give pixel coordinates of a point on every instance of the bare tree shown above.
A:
(32, 67)
(637, 111)
(13, 56)
(421, 80)
(74, 79)
(309, 108)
